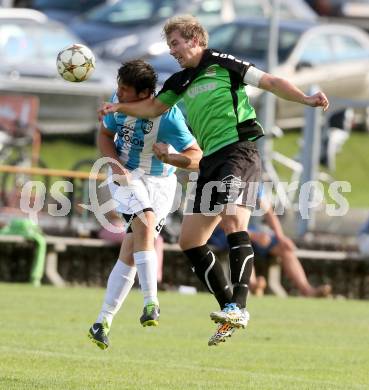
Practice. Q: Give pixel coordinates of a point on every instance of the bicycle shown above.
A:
(14, 151)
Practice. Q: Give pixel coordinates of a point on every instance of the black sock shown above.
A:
(241, 259)
(210, 272)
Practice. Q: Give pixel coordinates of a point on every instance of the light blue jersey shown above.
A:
(134, 138)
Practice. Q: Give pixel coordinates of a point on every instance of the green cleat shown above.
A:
(150, 315)
(98, 333)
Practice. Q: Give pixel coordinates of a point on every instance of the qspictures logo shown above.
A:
(310, 196)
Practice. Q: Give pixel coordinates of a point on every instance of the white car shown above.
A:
(29, 44)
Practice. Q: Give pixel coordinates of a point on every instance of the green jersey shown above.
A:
(217, 106)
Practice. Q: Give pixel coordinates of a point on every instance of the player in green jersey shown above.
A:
(212, 86)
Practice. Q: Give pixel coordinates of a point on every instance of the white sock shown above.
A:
(120, 282)
(146, 263)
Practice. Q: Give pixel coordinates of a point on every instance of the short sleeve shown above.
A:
(109, 121)
(175, 131)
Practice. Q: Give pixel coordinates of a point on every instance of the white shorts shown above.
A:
(146, 193)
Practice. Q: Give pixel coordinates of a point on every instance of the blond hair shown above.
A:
(189, 27)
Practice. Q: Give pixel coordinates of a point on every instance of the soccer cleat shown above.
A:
(150, 315)
(98, 333)
(223, 331)
(231, 314)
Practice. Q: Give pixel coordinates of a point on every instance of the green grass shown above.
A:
(292, 343)
(60, 154)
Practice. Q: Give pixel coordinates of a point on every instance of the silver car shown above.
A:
(29, 44)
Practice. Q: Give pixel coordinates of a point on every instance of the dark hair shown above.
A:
(139, 75)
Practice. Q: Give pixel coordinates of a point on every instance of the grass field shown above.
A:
(289, 344)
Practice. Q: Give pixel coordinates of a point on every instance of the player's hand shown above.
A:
(319, 99)
(161, 151)
(286, 243)
(105, 109)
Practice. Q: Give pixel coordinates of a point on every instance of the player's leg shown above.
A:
(240, 174)
(145, 259)
(198, 224)
(136, 207)
(241, 254)
(241, 257)
(195, 232)
(160, 192)
(119, 284)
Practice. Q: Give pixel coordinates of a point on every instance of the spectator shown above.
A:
(363, 239)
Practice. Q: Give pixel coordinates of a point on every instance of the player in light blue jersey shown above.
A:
(144, 153)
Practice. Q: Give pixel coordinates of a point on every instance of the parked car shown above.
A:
(124, 30)
(28, 48)
(61, 10)
(334, 57)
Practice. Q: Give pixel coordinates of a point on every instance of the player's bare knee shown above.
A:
(144, 231)
(184, 243)
(232, 224)
(144, 223)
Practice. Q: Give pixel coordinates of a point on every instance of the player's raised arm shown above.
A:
(288, 91)
(147, 108)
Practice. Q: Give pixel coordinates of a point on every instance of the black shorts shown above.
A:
(231, 175)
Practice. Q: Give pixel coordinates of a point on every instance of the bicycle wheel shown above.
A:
(13, 183)
(80, 194)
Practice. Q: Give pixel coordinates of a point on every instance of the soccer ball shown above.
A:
(75, 63)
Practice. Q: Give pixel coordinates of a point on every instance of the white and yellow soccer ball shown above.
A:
(75, 63)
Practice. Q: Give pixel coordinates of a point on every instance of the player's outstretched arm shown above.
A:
(288, 91)
(147, 108)
(187, 159)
